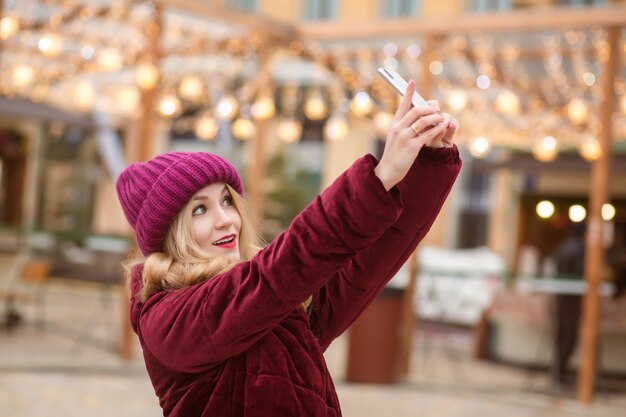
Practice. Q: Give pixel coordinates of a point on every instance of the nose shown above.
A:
(223, 219)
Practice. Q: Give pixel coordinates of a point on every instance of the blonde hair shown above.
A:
(183, 262)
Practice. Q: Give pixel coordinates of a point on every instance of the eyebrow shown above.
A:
(203, 197)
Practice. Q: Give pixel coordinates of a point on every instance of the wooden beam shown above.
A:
(215, 10)
(409, 317)
(598, 195)
(519, 21)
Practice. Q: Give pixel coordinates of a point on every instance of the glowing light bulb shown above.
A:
(50, 45)
(127, 99)
(110, 59)
(382, 122)
(191, 88)
(508, 102)
(577, 213)
(362, 104)
(608, 212)
(546, 149)
(169, 106)
(577, 110)
(8, 27)
(336, 128)
(23, 76)
(147, 76)
(264, 108)
(483, 82)
(590, 149)
(315, 107)
(227, 108)
(545, 209)
(289, 130)
(243, 129)
(457, 99)
(206, 127)
(435, 67)
(84, 95)
(589, 79)
(480, 147)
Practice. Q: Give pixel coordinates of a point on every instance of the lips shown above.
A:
(229, 241)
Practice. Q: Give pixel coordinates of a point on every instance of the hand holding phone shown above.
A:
(400, 85)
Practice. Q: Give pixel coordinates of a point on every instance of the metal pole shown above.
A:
(598, 195)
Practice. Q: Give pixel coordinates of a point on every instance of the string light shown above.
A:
(457, 99)
(169, 106)
(127, 100)
(243, 129)
(191, 88)
(589, 79)
(110, 59)
(227, 108)
(546, 149)
(608, 212)
(23, 76)
(9, 26)
(545, 209)
(147, 76)
(84, 95)
(315, 107)
(382, 122)
(50, 45)
(435, 68)
(577, 111)
(206, 127)
(508, 102)
(336, 128)
(289, 130)
(590, 149)
(263, 108)
(362, 104)
(480, 147)
(577, 213)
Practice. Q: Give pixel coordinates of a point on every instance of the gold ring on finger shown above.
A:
(414, 127)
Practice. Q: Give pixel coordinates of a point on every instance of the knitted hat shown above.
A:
(152, 193)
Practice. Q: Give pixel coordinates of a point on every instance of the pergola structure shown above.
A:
(527, 75)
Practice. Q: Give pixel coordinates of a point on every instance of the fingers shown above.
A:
(434, 104)
(430, 134)
(415, 114)
(405, 103)
(423, 123)
(449, 134)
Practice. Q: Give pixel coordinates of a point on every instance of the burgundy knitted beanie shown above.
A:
(152, 193)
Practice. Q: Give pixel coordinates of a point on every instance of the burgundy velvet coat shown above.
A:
(240, 344)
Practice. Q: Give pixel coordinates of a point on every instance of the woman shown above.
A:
(231, 330)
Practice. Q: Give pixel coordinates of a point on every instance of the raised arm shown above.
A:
(423, 191)
(200, 326)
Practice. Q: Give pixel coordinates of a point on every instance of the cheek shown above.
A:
(201, 232)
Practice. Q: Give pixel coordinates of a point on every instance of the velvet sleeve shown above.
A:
(423, 191)
(197, 327)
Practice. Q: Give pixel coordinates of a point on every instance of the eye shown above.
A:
(199, 210)
(227, 201)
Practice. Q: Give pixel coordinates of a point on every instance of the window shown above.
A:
(399, 8)
(489, 5)
(320, 9)
(249, 5)
(520, 4)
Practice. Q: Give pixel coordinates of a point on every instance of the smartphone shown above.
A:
(400, 85)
